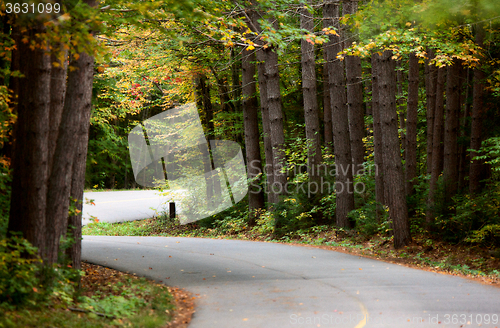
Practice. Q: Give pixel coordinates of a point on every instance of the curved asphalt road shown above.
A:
(253, 284)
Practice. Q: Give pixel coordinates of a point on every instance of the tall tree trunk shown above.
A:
(464, 127)
(252, 21)
(380, 190)
(393, 169)
(437, 141)
(411, 125)
(477, 116)
(266, 126)
(207, 106)
(430, 89)
(400, 106)
(276, 122)
(450, 164)
(340, 121)
(30, 157)
(85, 64)
(354, 96)
(437, 144)
(311, 111)
(59, 184)
(235, 77)
(57, 93)
(327, 105)
(252, 143)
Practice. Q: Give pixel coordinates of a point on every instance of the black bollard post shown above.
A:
(172, 210)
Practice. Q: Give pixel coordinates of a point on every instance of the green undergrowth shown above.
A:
(33, 295)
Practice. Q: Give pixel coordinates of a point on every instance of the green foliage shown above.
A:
(472, 213)
(367, 222)
(18, 272)
(490, 153)
(488, 235)
(5, 180)
(26, 282)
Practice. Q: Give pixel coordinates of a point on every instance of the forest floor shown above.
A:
(107, 298)
(472, 262)
(99, 279)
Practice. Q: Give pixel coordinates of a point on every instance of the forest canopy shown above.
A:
(379, 116)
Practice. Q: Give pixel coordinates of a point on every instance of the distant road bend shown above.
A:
(126, 205)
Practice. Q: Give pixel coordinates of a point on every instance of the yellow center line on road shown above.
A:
(362, 323)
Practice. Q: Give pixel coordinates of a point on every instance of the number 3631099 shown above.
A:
(32, 8)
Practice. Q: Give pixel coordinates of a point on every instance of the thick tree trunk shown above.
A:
(252, 143)
(252, 21)
(437, 144)
(340, 121)
(85, 64)
(450, 164)
(430, 89)
(276, 122)
(266, 126)
(393, 169)
(311, 111)
(380, 190)
(74, 113)
(400, 106)
(57, 93)
(354, 96)
(30, 157)
(411, 125)
(477, 116)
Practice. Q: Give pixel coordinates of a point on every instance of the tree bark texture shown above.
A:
(340, 121)
(266, 126)
(311, 111)
(393, 169)
(400, 106)
(411, 125)
(380, 190)
(275, 122)
(30, 157)
(327, 105)
(252, 142)
(477, 117)
(354, 96)
(450, 164)
(86, 65)
(430, 90)
(437, 144)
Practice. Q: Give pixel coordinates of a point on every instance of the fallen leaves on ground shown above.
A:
(99, 278)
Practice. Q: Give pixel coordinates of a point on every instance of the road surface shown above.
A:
(255, 284)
